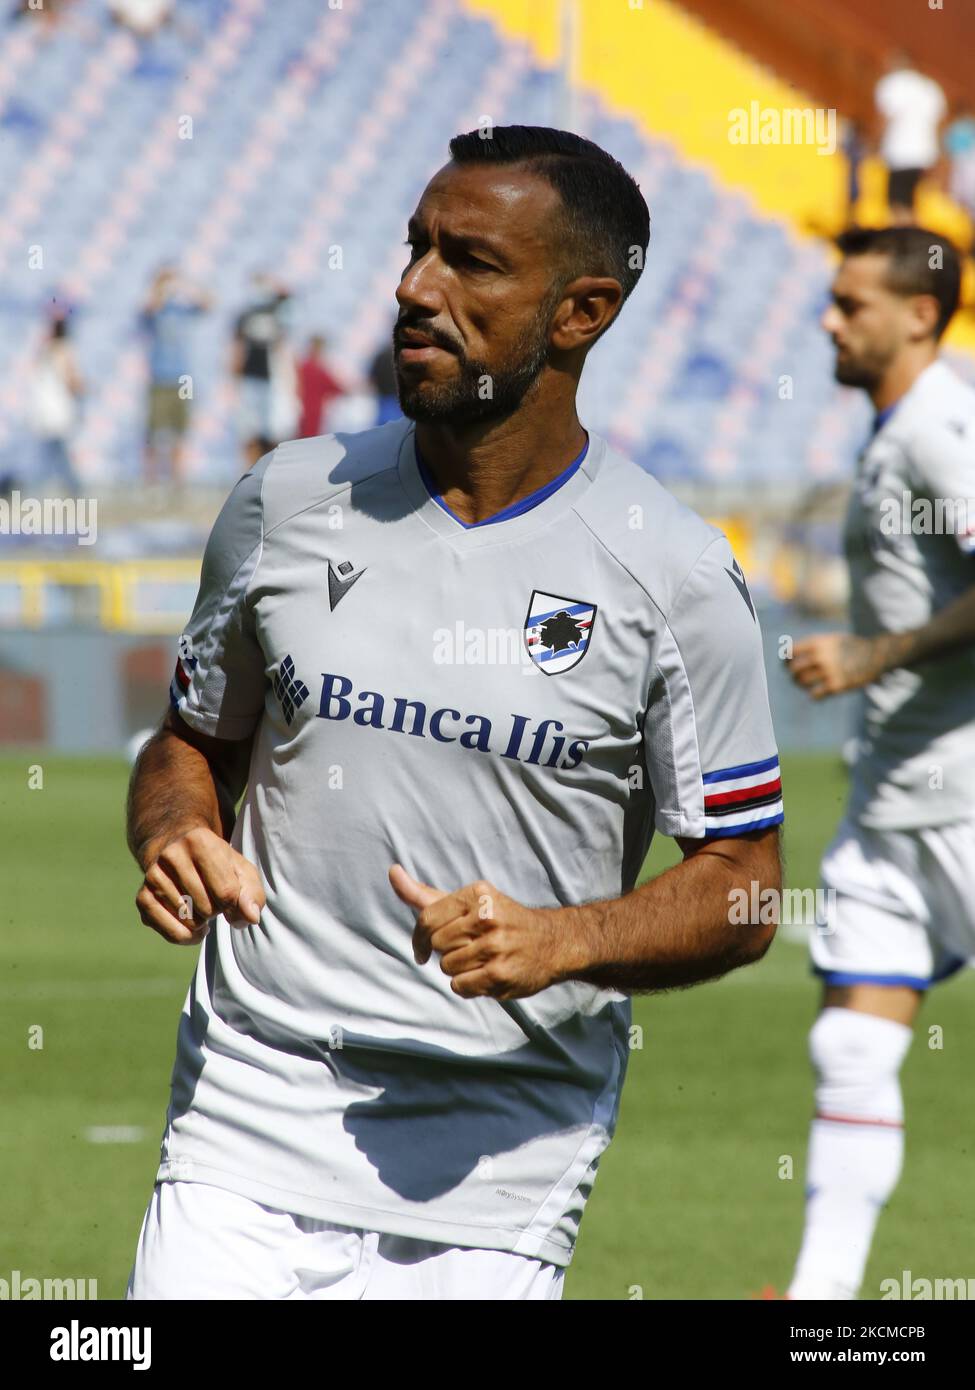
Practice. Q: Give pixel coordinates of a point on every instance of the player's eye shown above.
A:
(476, 263)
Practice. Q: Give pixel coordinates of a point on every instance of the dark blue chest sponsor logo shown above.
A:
(544, 744)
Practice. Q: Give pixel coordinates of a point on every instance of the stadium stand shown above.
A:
(307, 136)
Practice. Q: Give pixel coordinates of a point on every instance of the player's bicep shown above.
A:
(755, 854)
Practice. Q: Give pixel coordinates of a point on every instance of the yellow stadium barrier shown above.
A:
(125, 595)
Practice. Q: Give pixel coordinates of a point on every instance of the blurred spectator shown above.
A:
(258, 335)
(959, 145)
(382, 376)
(47, 13)
(166, 318)
(317, 388)
(912, 108)
(143, 17)
(854, 146)
(56, 389)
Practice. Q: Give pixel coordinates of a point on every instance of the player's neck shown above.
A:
(901, 376)
(481, 469)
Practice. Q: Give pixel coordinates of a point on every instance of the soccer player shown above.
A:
(902, 863)
(465, 663)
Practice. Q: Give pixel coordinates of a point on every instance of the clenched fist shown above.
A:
(191, 880)
(488, 943)
(831, 663)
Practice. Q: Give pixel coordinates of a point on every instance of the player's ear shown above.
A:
(926, 310)
(587, 308)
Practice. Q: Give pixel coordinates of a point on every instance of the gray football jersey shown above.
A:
(521, 701)
(910, 555)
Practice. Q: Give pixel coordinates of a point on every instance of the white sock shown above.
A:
(856, 1148)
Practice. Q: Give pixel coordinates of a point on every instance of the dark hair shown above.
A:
(909, 269)
(605, 216)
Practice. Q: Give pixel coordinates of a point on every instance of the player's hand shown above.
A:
(191, 880)
(489, 944)
(833, 662)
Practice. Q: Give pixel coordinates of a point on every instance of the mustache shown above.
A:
(436, 337)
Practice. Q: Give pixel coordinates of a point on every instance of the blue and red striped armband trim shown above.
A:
(180, 683)
(742, 798)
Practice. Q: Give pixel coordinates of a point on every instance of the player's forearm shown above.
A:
(172, 790)
(678, 929)
(950, 629)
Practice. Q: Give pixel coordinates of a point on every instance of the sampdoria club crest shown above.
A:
(558, 631)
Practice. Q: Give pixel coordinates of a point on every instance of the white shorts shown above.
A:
(899, 907)
(201, 1242)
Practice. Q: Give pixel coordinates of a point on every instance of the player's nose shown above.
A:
(830, 320)
(419, 288)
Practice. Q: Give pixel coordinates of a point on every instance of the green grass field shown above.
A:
(689, 1203)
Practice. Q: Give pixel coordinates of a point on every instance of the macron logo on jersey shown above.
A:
(340, 581)
(737, 578)
(742, 798)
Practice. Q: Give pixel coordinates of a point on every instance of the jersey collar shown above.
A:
(882, 416)
(541, 508)
(526, 504)
(923, 382)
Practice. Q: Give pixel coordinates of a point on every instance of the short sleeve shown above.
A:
(219, 684)
(943, 471)
(708, 740)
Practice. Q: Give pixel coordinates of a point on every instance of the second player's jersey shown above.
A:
(521, 701)
(910, 543)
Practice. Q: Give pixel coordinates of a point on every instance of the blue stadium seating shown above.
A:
(315, 127)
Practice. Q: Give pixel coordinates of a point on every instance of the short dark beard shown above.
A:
(866, 370)
(852, 374)
(478, 393)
